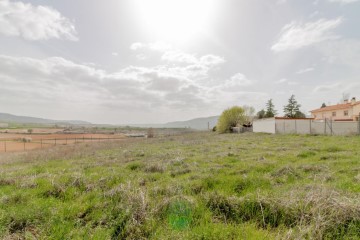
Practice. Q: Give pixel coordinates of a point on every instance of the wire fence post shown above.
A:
(5, 145)
(325, 126)
(41, 143)
(331, 123)
(24, 145)
(66, 141)
(359, 124)
(55, 141)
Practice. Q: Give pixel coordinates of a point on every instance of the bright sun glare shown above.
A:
(175, 20)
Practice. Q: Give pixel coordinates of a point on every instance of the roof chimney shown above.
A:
(346, 101)
(353, 101)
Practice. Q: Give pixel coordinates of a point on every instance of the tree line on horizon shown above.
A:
(291, 110)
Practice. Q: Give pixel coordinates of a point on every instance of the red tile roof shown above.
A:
(335, 107)
(286, 118)
(344, 120)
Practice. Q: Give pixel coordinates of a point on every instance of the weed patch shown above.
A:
(306, 154)
(193, 186)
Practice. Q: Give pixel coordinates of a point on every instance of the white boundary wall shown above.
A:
(305, 126)
(266, 125)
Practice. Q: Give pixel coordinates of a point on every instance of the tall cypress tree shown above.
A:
(292, 109)
(270, 109)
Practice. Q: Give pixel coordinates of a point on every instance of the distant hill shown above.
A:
(196, 123)
(9, 118)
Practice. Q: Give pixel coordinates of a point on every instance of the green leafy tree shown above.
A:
(292, 109)
(261, 114)
(270, 109)
(323, 105)
(230, 118)
(300, 115)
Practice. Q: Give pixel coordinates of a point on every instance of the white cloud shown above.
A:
(305, 70)
(34, 22)
(240, 79)
(141, 57)
(179, 56)
(297, 35)
(136, 46)
(283, 80)
(156, 46)
(62, 81)
(236, 83)
(343, 1)
(180, 63)
(314, 14)
(57, 81)
(211, 60)
(292, 83)
(172, 55)
(326, 88)
(343, 52)
(281, 2)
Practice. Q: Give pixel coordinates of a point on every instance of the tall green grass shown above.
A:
(193, 186)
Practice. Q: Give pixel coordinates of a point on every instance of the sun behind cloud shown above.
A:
(176, 20)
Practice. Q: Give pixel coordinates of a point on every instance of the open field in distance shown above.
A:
(190, 186)
(14, 140)
(24, 142)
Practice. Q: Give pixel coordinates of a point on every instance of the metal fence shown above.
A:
(24, 144)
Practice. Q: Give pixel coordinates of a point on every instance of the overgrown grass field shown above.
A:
(193, 186)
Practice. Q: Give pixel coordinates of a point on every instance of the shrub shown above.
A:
(134, 166)
(26, 139)
(155, 168)
(178, 212)
(230, 118)
(150, 133)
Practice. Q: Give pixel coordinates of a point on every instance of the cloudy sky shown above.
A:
(154, 61)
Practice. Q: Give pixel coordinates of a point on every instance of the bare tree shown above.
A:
(249, 113)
